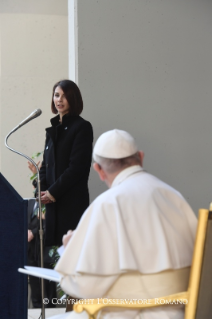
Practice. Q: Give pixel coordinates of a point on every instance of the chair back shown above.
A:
(204, 302)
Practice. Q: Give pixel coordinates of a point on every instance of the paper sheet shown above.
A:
(45, 273)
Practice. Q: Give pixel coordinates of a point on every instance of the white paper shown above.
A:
(45, 273)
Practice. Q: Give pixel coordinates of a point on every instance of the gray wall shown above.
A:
(146, 67)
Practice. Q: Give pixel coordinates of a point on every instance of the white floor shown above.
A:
(35, 313)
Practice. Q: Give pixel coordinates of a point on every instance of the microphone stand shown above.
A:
(40, 212)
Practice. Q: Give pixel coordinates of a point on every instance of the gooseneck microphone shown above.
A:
(31, 117)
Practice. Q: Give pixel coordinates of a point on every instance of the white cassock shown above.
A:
(135, 241)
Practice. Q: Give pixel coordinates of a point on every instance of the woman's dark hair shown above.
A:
(72, 94)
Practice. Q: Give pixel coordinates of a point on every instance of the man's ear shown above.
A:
(141, 155)
(100, 171)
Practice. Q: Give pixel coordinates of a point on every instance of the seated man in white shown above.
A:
(135, 241)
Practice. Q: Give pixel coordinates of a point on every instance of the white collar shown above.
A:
(125, 174)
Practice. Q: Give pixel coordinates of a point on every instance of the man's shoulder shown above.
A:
(156, 189)
(155, 182)
(139, 181)
(142, 180)
(140, 187)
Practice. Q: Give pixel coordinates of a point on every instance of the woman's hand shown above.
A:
(67, 237)
(44, 198)
(30, 235)
(33, 168)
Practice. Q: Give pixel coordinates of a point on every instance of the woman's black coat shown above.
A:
(64, 173)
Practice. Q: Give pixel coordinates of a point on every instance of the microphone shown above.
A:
(32, 116)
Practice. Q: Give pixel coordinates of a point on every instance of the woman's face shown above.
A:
(60, 101)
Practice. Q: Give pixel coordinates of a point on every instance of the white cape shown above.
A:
(140, 224)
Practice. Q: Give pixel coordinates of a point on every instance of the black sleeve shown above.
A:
(42, 171)
(79, 161)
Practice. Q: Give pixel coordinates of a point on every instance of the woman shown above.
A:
(66, 163)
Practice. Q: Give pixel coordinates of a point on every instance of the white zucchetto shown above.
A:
(115, 144)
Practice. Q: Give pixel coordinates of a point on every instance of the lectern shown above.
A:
(13, 252)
